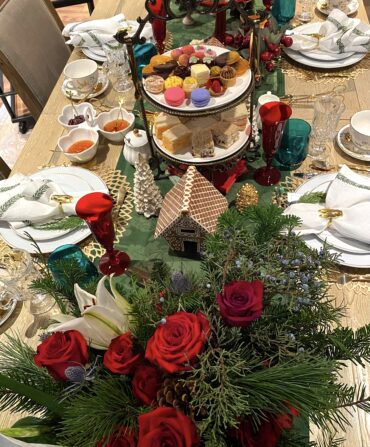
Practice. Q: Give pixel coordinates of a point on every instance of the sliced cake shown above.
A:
(164, 122)
(237, 115)
(225, 134)
(206, 122)
(177, 138)
(202, 144)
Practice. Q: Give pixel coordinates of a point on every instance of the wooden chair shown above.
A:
(63, 3)
(33, 52)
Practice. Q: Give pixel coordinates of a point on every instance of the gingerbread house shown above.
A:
(190, 212)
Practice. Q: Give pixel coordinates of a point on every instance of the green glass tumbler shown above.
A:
(283, 11)
(293, 148)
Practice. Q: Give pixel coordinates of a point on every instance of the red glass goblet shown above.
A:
(273, 117)
(159, 26)
(96, 210)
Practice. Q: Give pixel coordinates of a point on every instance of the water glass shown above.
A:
(306, 9)
(283, 11)
(293, 148)
(14, 266)
(7, 296)
(118, 67)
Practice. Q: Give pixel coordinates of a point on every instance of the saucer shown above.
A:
(352, 7)
(100, 88)
(348, 147)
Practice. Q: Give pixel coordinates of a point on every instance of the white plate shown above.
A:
(93, 55)
(71, 174)
(220, 153)
(78, 96)
(348, 147)
(322, 56)
(232, 93)
(350, 259)
(352, 7)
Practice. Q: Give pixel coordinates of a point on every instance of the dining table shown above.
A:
(349, 287)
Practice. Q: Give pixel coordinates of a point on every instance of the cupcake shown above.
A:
(181, 71)
(173, 81)
(228, 76)
(215, 72)
(215, 87)
(176, 53)
(184, 60)
(189, 85)
(154, 84)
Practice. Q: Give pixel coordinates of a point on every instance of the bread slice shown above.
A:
(206, 122)
(164, 122)
(202, 143)
(177, 138)
(237, 115)
(225, 134)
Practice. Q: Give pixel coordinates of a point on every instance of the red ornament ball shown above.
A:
(270, 67)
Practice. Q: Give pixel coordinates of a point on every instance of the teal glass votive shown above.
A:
(283, 11)
(69, 252)
(293, 148)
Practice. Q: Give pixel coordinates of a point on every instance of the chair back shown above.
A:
(33, 52)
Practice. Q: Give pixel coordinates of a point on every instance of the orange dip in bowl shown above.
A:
(116, 125)
(79, 146)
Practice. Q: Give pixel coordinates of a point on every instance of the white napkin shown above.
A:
(341, 35)
(349, 192)
(96, 33)
(24, 200)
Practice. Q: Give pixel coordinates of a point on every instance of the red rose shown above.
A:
(168, 427)
(123, 437)
(241, 302)
(60, 351)
(177, 343)
(146, 383)
(120, 357)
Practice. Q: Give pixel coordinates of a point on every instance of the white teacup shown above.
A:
(360, 130)
(82, 75)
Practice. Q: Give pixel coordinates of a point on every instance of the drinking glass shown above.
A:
(159, 26)
(96, 210)
(306, 9)
(118, 67)
(293, 147)
(8, 295)
(14, 265)
(283, 11)
(327, 112)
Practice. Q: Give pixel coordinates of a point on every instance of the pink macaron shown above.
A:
(174, 96)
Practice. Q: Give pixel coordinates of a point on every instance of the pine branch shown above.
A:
(313, 197)
(67, 223)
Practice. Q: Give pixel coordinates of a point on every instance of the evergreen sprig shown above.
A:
(67, 223)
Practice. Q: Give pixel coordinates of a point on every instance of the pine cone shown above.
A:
(174, 393)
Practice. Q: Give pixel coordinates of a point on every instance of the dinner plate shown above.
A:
(74, 94)
(359, 254)
(322, 56)
(88, 52)
(352, 7)
(348, 147)
(231, 94)
(71, 176)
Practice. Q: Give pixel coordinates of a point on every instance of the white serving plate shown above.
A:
(70, 179)
(220, 153)
(231, 94)
(347, 146)
(352, 253)
(78, 96)
(352, 7)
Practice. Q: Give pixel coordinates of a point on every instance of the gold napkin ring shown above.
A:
(330, 214)
(61, 198)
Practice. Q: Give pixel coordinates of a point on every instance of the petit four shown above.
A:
(176, 53)
(184, 60)
(176, 138)
(202, 144)
(154, 84)
(164, 122)
(241, 66)
(188, 49)
(237, 115)
(210, 53)
(221, 60)
(159, 59)
(228, 76)
(189, 85)
(173, 81)
(166, 67)
(181, 71)
(201, 73)
(215, 87)
(215, 72)
(200, 97)
(148, 70)
(174, 96)
(225, 134)
(232, 57)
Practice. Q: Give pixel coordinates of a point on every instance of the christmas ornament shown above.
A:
(247, 195)
(147, 197)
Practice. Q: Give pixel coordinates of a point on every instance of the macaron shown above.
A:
(174, 96)
(200, 97)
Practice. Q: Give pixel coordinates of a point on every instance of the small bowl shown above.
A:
(106, 117)
(76, 135)
(68, 112)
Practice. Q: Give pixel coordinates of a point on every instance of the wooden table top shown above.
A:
(39, 151)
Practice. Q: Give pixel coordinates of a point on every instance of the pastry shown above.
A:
(177, 138)
(208, 60)
(159, 59)
(184, 60)
(163, 122)
(199, 52)
(221, 59)
(176, 53)
(201, 123)
(181, 71)
(202, 144)
(194, 60)
(210, 53)
(201, 73)
(237, 115)
(232, 57)
(241, 66)
(215, 72)
(189, 85)
(188, 49)
(173, 81)
(215, 87)
(174, 96)
(200, 97)
(225, 134)
(154, 84)
(228, 76)
(168, 67)
(148, 70)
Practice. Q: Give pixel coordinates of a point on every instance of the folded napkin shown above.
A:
(96, 33)
(348, 194)
(341, 34)
(24, 200)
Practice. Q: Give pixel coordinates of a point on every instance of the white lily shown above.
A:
(103, 316)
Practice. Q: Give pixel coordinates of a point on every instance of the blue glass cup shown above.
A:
(69, 252)
(283, 11)
(293, 148)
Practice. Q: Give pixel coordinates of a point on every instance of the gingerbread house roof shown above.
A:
(194, 196)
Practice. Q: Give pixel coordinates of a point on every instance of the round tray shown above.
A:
(233, 96)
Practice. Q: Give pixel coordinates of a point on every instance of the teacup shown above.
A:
(82, 75)
(360, 130)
